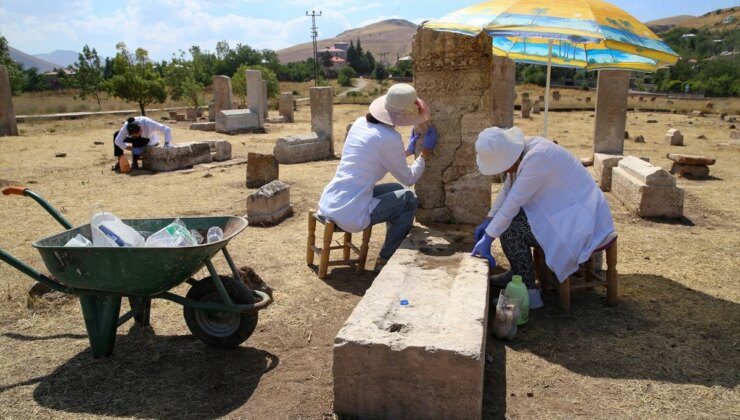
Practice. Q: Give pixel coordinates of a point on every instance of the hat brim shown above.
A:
(379, 111)
(516, 139)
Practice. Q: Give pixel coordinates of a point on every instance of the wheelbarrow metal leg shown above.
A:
(142, 308)
(101, 321)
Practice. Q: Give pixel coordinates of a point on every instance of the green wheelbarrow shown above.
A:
(221, 311)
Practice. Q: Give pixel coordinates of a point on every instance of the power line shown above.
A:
(314, 37)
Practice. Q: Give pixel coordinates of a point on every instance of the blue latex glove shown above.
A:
(483, 250)
(138, 151)
(430, 140)
(168, 145)
(481, 229)
(412, 143)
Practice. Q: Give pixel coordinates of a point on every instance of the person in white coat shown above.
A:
(374, 148)
(548, 200)
(136, 134)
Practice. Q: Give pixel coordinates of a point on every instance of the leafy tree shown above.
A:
(34, 81)
(300, 71)
(403, 69)
(346, 74)
(239, 81)
(380, 73)
(88, 76)
(135, 79)
(325, 60)
(193, 92)
(15, 70)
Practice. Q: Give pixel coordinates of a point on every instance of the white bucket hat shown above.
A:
(399, 107)
(497, 150)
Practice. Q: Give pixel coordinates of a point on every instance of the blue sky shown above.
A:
(166, 26)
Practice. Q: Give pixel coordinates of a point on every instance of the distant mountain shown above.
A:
(716, 21)
(393, 37)
(29, 61)
(63, 57)
(666, 24)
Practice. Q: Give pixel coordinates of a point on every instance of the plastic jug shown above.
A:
(517, 290)
(109, 231)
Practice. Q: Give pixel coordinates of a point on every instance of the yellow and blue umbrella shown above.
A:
(588, 34)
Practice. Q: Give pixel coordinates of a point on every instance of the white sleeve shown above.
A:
(119, 141)
(167, 131)
(532, 175)
(501, 197)
(393, 158)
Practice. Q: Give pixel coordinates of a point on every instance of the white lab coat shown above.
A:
(149, 130)
(567, 212)
(369, 153)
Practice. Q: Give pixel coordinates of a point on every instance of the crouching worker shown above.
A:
(136, 134)
(373, 148)
(548, 200)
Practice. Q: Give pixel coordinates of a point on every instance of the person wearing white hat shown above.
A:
(372, 149)
(548, 200)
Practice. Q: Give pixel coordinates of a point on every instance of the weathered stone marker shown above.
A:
(536, 106)
(504, 92)
(556, 95)
(302, 148)
(269, 205)
(8, 125)
(286, 106)
(261, 169)
(222, 151)
(255, 95)
(453, 74)
(265, 100)
(164, 159)
(222, 96)
(423, 360)
(611, 111)
(191, 114)
(673, 137)
(648, 190)
(603, 166)
(201, 151)
(322, 114)
(237, 121)
(203, 126)
(691, 165)
(526, 108)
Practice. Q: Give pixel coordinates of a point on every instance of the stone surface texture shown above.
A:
(536, 106)
(222, 96)
(648, 190)
(8, 124)
(203, 126)
(674, 137)
(322, 114)
(302, 148)
(691, 159)
(164, 159)
(611, 111)
(269, 205)
(265, 100)
(603, 165)
(424, 360)
(255, 95)
(201, 152)
(285, 106)
(261, 169)
(504, 93)
(222, 151)
(237, 121)
(453, 74)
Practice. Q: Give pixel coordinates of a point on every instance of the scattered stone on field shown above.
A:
(734, 134)
(222, 151)
(98, 143)
(732, 126)
(556, 95)
(201, 152)
(690, 171)
(203, 126)
(587, 161)
(701, 137)
(526, 108)
(673, 137)
(709, 105)
(60, 155)
(261, 169)
(269, 205)
(697, 113)
(588, 99)
(208, 175)
(732, 119)
(652, 99)
(640, 139)
(164, 159)
(626, 135)
(723, 115)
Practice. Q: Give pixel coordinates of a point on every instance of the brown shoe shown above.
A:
(379, 264)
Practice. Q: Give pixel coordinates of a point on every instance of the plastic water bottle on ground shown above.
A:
(215, 234)
(78, 241)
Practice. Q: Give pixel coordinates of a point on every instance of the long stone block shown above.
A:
(302, 148)
(269, 205)
(164, 159)
(646, 200)
(201, 152)
(691, 171)
(424, 360)
(647, 173)
(203, 126)
(611, 111)
(8, 124)
(237, 121)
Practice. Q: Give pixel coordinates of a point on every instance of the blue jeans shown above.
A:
(396, 208)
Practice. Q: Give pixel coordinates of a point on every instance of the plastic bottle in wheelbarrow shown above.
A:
(215, 234)
(109, 231)
(175, 234)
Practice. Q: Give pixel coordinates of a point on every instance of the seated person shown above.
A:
(548, 200)
(136, 134)
(373, 147)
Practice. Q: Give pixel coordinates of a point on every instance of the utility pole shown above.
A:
(384, 59)
(315, 36)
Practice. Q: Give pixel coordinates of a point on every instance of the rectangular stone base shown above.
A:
(164, 159)
(424, 360)
(203, 126)
(647, 200)
(269, 205)
(235, 121)
(303, 148)
(603, 165)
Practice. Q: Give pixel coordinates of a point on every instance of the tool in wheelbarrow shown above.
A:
(220, 311)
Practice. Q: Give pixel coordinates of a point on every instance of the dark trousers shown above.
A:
(134, 142)
(516, 243)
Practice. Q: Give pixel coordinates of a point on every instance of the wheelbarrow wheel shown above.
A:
(223, 330)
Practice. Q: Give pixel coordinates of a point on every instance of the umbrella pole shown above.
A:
(547, 85)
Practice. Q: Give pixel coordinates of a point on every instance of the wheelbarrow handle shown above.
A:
(42, 202)
(33, 273)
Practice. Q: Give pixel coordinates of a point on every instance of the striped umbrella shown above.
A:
(587, 34)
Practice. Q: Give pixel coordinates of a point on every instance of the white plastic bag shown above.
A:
(175, 234)
(507, 312)
(109, 231)
(78, 241)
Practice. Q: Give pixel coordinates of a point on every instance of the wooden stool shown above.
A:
(585, 278)
(329, 229)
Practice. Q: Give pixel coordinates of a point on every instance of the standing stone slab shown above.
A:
(222, 96)
(8, 125)
(424, 360)
(222, 151)
(322, 114)
(303, 148)
(254, 95)
(261, 169)
(201, 152)
(556, 95)
(237, 121)
(611, 111)
(453, 74)
(211, 113)
(286, 106)
(265, 100)
(648, 190)
(191, 114)
(536, 107)
(164, 159)
(526, 108)
(504, 91)
(269, 205)
(673, 137)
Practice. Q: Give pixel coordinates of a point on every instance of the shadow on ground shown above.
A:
(150, 376)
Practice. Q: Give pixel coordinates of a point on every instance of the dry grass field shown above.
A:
(669, 350)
